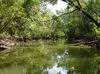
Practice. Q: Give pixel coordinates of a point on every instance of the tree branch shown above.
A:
(55, 17)
(79, 4)
(88, 16)
(79, 8)
(92, 19)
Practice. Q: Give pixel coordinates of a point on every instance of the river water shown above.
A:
(50, 57)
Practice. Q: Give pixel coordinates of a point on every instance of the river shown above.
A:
(50, 57)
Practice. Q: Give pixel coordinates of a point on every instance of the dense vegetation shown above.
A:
(30, 26)
(27, 19)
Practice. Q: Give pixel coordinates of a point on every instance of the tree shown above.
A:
(77, 5)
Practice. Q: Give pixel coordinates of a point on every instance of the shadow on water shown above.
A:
(50, 57)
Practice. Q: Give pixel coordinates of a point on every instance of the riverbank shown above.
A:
(93, 42)
(8, 43)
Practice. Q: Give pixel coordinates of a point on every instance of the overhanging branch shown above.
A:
(79, 8)
(56, 17)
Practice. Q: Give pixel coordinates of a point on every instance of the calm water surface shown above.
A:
(50, 57)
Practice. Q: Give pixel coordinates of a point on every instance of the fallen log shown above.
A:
(95, 43)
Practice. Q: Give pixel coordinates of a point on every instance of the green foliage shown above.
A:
(23, 18)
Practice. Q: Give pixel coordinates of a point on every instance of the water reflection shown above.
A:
(13, 70)
(53, 57)
(56, 70)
